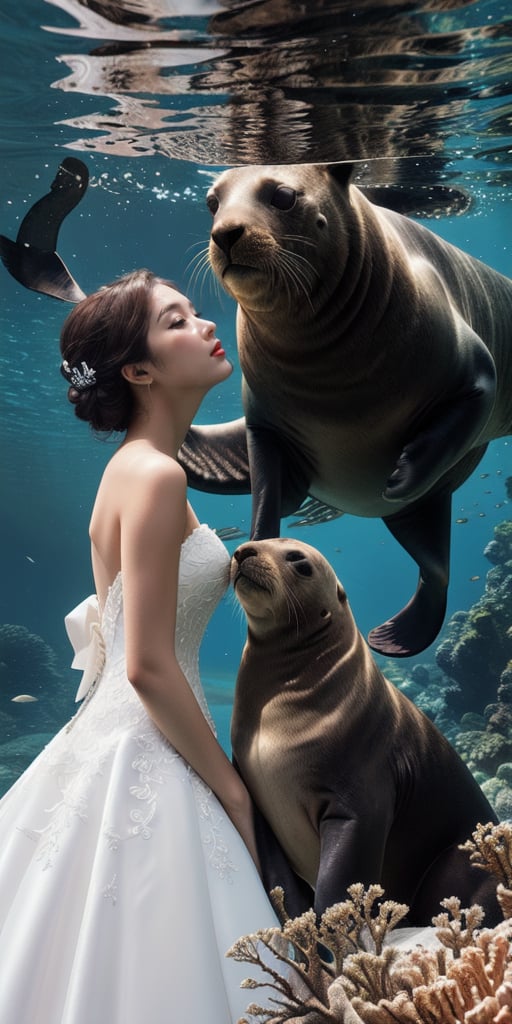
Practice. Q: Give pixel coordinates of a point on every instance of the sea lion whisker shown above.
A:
(296, 275)
(199, 258)
(293, 605)
(300, 238)
(236, 605)
(199, 262)
(296, 257)
(202, 274)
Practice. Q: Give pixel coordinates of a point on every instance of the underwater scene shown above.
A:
(157, 98)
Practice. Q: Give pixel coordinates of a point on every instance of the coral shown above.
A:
(483, 751)
(503, 802)
(299, 942)
(499, 550)
(477, 645)
(465, 979)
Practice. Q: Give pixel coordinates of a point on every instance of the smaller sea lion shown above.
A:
(355, 782)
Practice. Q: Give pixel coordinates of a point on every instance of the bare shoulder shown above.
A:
(136, 481)
(146, 468)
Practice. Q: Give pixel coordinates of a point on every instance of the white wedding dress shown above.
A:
(122, 880)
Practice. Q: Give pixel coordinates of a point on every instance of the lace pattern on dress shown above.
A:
(112, 715)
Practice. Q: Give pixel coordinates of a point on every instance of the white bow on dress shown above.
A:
(83, 629)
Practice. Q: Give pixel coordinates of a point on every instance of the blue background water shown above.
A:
(149, 210)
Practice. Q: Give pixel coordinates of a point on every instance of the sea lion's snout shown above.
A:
(226, 237)
(248, 567)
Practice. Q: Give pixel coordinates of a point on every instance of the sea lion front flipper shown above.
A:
(215, 458)
(350, 850)
(452, 428)
(277, 871)
(32, 259)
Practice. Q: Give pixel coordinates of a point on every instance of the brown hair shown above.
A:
(107, 331)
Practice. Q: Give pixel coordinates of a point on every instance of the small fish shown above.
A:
(483, 476)
(230, 533)
(472, 579)
(23, 698)
(29, 559)
(461, 520)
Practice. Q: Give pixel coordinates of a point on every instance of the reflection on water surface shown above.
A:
(277, 82)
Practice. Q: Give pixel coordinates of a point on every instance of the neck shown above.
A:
(163, 420)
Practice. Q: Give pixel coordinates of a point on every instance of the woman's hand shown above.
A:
(242, 816)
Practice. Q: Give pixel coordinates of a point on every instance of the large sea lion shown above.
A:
(377, 365)
(356, 783)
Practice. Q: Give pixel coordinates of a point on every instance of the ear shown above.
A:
(342, 172)
(134, 373)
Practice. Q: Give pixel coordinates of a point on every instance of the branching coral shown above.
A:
(456, 929)
(466, 980)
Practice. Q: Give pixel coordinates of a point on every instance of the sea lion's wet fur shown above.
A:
(377, 365)
(355, 781)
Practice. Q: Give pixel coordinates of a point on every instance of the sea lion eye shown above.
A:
(212, 203)
(284, 198)
(301, 563)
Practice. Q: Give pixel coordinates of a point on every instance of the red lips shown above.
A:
(217, 350)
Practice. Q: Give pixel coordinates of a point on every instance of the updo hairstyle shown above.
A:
(108, 330)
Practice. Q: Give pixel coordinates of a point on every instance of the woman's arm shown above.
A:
(153, 523)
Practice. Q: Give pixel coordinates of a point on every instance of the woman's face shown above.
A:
(184, 350)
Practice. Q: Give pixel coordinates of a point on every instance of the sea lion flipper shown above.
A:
(349, 849)
(452, 428)
(215, 458)
(423, 530)
(32, 259)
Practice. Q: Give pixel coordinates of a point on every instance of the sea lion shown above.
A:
(377, 365)
(356, 783)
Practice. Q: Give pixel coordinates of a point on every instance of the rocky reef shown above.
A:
(476, 649)
(468, 691)
(34, 699)
(352, 966)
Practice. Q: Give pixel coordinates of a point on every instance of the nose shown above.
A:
(226, 237)
(209, 328)
(243, 552)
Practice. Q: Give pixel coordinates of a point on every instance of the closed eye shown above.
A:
(302, 564)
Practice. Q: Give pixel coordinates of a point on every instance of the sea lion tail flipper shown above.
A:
(32, 259)
(423, 530)
(215, 458)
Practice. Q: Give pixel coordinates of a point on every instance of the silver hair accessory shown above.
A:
(82, 379)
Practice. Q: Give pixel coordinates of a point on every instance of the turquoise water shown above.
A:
(156, 106)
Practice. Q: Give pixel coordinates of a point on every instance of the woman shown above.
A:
(128, 861)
